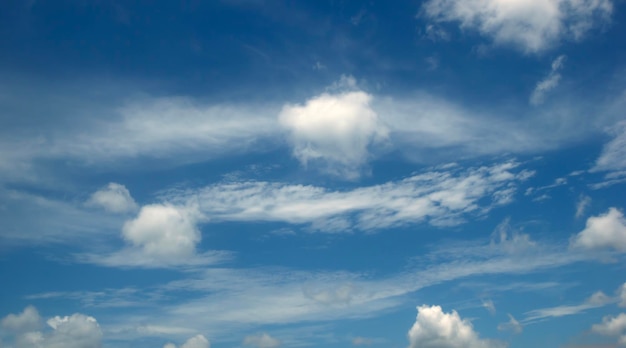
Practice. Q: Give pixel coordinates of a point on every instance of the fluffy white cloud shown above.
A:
(75, 331)
(334, 131)
(198, 341)
(549, 83)
(28, 320)
(611, 326)
(261, 341)
(530, 25)
(511, 325)
(606, 231)
(441, 197)
(435, 329)
(114, 198)
(163, 231)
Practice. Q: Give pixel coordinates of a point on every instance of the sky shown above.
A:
(263, 173)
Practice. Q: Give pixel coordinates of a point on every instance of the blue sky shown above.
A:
(257, 173)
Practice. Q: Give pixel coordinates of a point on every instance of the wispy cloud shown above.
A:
(549, 83)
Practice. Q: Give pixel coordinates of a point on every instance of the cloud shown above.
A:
(612, 326)
(622, 295)
(75, 331)
(28, 320)
(531, 26)
(582, 205)
(161, 235)
(439, 197)
(606, 231)
(198, 341)
(334, 131)
(261, 341)
(489, 306)
(613, 156)
(511, 325)
(114, 198)
(598, 299)
(435, 329)
(549, 83)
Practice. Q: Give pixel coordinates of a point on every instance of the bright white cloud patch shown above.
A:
(198, 341)
(75, 331)
(606, 231)
(530, 25)
(612, 326)
(549, 83)
(114, 198)
(334, 131)
(440, 197)
(261, 341)
(163, 231)
(435, 329)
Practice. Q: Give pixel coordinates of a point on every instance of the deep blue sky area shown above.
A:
(260, 173)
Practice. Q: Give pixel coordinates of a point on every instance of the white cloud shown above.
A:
(489, 306)
(261, 341)
(198, 341)
(161, 235)
(530, 25)
(114, 198)
(596, 300)
(362, 341)
(613, 157)
(28, 320)
(606, 231)
(435, 329)
(75, 331)
(334, 131)
(549, 83)
(440, 197)
(582, 205)
(622, 295)
(511, 325)
(611, 326)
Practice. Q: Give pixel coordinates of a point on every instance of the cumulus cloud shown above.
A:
(261, 341)
(434, 328)
(612, 326)
(198, 341)
(114, 198)
(511, 325)
(161, 235)
(549, 83)
(28, 320)
(606, 231)
(334, 131)
(530, 25)
(440, 197)
(75, 331)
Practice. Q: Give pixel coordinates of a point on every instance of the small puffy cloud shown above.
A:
(606, 231)
(549, 83)
(28, 320)
(334, 131)
(531, 26)
(511, 325)
(261, 341)
(613, 157)
(163, 231)
(435, 329)
(198, 341)
(114, 198)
